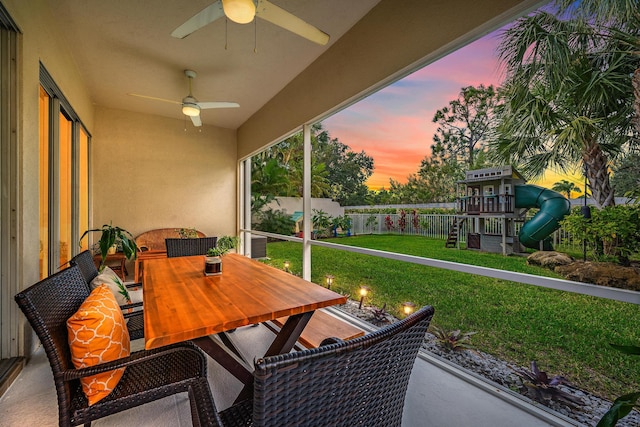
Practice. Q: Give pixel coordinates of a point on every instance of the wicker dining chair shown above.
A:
(135, 323)
(360, 382)
(149, 375)
(189, 247)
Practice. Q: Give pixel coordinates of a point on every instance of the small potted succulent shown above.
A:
(213, 261)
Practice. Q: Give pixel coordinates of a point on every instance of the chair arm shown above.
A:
(203, 409)
(135, 358)
(128, 306)
(331, 340)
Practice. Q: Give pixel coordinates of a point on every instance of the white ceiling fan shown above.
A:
(190, 105)
(244, 11)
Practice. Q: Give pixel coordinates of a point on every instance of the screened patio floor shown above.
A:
(439, 395)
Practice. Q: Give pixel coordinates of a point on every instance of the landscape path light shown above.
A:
(329, 279)
(364, 291)
(287, 264)
(408, 308)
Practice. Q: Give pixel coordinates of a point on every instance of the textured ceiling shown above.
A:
(125, 46)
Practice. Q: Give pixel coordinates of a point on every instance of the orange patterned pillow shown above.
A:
(98, 334)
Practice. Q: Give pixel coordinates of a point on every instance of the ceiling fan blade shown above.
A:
(196, 121)
(280, 17)
(205, 105)
(204, 17)
(155, 99)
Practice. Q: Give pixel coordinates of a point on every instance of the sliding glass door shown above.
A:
(64, 178)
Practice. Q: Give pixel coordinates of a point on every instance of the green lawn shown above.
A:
(567, 334)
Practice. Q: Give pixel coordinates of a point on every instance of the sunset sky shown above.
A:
(395, 126)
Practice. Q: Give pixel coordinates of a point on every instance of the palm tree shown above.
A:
(268, 180)
(566, 187)
(568, 97)
(626, 14)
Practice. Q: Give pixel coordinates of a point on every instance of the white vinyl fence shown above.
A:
(436, 226)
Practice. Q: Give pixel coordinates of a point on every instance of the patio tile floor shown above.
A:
(436, 397)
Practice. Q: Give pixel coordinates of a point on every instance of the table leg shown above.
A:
(230, 345)
(283, 343)
(289, 334)
(226, 360)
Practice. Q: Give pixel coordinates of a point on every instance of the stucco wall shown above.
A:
(40, 42)
(293, 204)
(149, 172)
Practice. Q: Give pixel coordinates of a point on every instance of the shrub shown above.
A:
(380, 314)
(415, 219)
(321, 223)
(372, 222)
(402, 221)
(388, 222)
(611, 231)
(452, 340)
(623, 404)
(275, 221)
(545, 388)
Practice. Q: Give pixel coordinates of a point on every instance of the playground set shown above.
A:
(492, 201)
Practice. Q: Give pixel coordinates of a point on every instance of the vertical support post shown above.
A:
(504, 236)
(306, 204)
(246, 206)
(240, 191)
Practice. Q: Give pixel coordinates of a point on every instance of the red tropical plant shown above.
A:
(388, 222)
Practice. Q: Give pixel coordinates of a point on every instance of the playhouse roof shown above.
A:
(491, 174)
(297, 216)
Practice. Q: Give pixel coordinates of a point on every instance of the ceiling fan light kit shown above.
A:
(239, 11)
(244, 11)
(191, 110)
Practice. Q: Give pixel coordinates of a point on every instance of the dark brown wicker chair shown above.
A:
(150, 375)
(188, 247)
(135, 324)
(359, 382)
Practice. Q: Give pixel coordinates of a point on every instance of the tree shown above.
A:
(336, 170)
(568, 97)
(290, 153)
(347, 170)
(380, 197)
(440, 176)
(566, 187)
(626, 176)
(618, 19)
(268, 179)
(465, 125)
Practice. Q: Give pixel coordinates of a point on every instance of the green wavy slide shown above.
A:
(553, 208)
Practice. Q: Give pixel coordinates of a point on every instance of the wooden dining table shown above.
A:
(182, 303)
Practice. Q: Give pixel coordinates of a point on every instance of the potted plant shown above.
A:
(187, 233)
(213, 261)
(114, 236)
(346, 225)
(342, 222)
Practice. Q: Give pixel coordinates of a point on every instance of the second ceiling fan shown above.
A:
(190, 105)
(245, 11)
